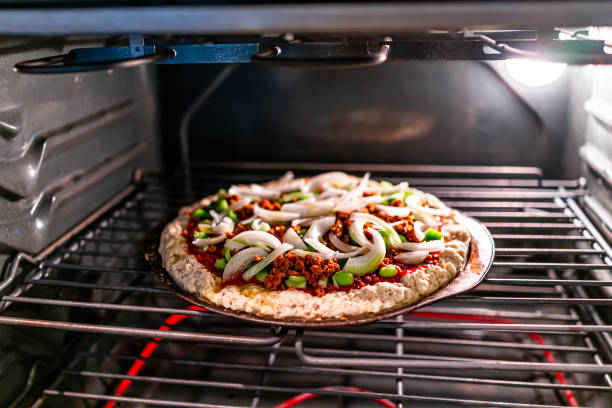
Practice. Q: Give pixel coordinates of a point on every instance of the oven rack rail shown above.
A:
(554, 304)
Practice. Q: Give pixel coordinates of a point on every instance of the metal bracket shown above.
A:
(104, 58)
(318, 54)
(12, 272)
(70, 62)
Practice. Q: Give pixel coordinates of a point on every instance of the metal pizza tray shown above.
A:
(476, 266)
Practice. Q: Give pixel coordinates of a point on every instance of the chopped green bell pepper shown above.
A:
(432, 235)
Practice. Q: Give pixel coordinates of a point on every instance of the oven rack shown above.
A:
(539, 302)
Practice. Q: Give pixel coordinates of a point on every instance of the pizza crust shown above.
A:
(194, 278)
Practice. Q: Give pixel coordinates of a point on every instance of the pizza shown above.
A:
(331, 246)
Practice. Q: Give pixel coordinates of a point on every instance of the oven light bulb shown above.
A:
(534, 73)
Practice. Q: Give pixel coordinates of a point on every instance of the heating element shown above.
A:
(533, 334)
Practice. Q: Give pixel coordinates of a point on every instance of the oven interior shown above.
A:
(92, 162)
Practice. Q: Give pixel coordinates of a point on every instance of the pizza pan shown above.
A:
(475, 268)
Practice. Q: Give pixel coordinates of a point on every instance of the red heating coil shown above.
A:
(306, 396)
(177, 318)
(147, 351)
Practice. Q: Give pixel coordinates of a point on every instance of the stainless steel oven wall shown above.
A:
(438, 112)
(68, 142)
(596, 152)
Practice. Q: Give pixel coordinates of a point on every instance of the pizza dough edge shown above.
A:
(194, 278)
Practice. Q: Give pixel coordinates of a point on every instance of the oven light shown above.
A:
(534, 73)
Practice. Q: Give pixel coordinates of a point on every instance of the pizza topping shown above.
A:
(343, 279)
(388, 271)
(395, 211)
(248, 238)
(368, 263)
(241, 203)
(309, 207)
(419, 230)
(355, 204)
(205, 242)
(254, 190)
(296, 282)
(274, 216)
(330, 232)
(259, 266)
(199, 214)
(392, 236)
(240, 261)
(334, 178)
(429, 246)
(432, 234)
(342, 246)
(291, 237)
(414, 202)
(411, 258)
(220, 263)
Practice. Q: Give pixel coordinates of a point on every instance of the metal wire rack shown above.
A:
(535, 333)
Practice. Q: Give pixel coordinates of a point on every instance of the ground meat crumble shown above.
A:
(312, 268)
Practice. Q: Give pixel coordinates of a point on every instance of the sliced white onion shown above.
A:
(395, 211)
(227, 225)
(413, 202)
(368, 263)
(202, 242)
(358, 192)
(274, 216)
(421, 215)
(259, 266)
(335, 194)
(436, 202)
(302, 253)
(291, 237)
(251, 238)
(216, 216)
(334, 178)
(393, 235)
(341, 255)
(255, 224)
(356, 204)
(356, 231)
(411, 258)
(287, 186)
(309, 207)
(254, 189)
(243, 201)
(304, 221)
(247, 220)
(286, 177)
(338, 243)
(239, 262)
(321, 248)
(429, 246)
(403, 186)
(395, 196)
(320, 227)
(419, 230)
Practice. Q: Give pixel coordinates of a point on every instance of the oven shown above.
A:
(113, 115)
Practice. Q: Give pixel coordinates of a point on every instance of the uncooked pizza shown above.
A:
(329, 246)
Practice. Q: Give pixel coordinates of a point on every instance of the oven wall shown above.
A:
(424, 112)
(68, 142)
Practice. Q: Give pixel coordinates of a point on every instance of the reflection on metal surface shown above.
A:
(534, 73)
